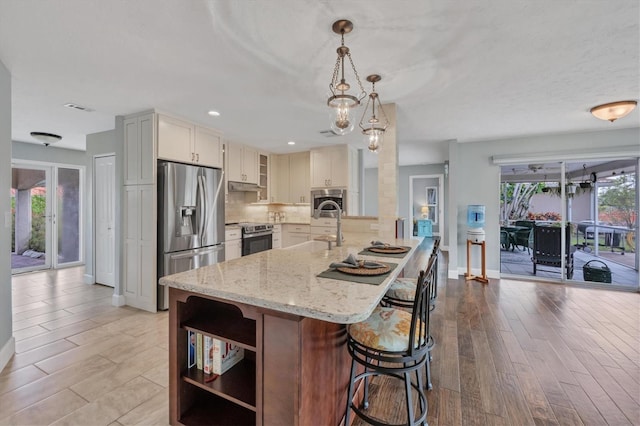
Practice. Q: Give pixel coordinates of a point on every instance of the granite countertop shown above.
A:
(285, 280)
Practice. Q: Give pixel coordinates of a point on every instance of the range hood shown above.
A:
(243, 187)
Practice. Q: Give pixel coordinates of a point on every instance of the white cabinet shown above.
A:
(276, 241)
(324, 226)
(263, 177)
(182, 141)
(290, 178)
(139, 152)
(330, 167)
(294, 234)
(241, 163)
(139, 257)
(232, 243)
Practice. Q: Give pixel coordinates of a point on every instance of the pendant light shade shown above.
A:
(373, 128)
(341, 101)
(614, 110)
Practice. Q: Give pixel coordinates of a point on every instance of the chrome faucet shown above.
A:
(316, 215)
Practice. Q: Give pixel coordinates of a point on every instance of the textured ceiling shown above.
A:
(460, 70)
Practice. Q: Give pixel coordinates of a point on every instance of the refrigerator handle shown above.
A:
(202, 198)
(194, 253)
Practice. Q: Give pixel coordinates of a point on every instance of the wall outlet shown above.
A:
(7, 219)
(374, 226)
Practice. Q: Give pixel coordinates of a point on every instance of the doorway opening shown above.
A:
(46, 207)
(595, 201)
(426, 204)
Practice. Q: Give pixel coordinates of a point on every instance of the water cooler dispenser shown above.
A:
(475, 222)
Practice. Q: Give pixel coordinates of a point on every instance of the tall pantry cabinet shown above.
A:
(139, 284)
(147, 137)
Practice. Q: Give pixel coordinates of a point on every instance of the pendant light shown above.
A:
(373, 130)
(340, 100)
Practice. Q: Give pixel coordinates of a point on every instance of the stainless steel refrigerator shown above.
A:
(190, 220)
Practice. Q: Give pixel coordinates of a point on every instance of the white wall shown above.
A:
(47, 154)
(7, 343)
(474, 179)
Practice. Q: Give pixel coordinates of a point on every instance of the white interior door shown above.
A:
(105, 180)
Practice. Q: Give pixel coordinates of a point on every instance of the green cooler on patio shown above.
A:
(592, 271)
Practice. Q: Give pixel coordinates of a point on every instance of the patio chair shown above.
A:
(546, 248)
(505, 239)
(522, 238)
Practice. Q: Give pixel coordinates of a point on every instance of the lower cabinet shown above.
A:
(294, 234)
(295, 369)
(232, 243)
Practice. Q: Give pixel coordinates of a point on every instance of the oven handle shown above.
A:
(258, 234)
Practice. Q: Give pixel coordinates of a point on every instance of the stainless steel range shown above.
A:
(256, 237)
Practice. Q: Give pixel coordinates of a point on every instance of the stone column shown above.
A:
(388, 179)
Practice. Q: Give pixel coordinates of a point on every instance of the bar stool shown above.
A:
(401, 295)
(392, 342)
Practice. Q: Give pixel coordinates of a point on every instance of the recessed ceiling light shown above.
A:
(291, 143)
(214, 113)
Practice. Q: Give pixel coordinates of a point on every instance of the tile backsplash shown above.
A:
(242, 207)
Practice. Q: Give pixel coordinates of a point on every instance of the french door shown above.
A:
(46, 216)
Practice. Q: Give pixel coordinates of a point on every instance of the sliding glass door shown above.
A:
(46, 212)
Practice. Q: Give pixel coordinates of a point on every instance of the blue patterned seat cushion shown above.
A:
(387, 329)
(403, 289)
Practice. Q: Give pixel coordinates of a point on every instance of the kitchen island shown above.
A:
(291, 325)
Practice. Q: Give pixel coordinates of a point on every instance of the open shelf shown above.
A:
(237, 385)
(210, 409)
(221, 321)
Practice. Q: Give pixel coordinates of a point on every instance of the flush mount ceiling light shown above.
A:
(373, 130)
(340, 101)
(214, 113)
(614, 110)
(46, 138)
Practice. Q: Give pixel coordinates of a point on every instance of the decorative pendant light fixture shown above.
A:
(614, 110)
(373, 130)
(340, 101)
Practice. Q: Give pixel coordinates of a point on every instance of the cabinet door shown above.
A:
(280, 178)
(299, 181)
(175, 140)
(139, 159)
(208, 147)
(339, 166)
(250, 164)
(320, 168)
(233, 249)
(233, 167)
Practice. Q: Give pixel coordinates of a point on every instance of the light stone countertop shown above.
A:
(285, 280)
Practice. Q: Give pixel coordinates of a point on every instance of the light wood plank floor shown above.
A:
(510, 353)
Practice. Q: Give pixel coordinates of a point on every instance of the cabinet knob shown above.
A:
(192, 156)
(198, 158)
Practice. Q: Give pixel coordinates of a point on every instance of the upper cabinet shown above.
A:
(241, 163)
(330, 167)
(139, 158)
(290, 183)
(179, 140)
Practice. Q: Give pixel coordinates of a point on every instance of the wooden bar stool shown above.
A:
(392, 342)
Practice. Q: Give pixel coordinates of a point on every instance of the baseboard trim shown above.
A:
(7, 352)
(88, 279)
(118, 300)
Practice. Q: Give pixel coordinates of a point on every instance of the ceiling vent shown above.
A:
(328, 133)
(78, 107)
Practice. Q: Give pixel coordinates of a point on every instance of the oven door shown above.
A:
(255, 243)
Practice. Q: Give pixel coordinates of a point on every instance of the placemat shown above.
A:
(364, 279)
(367, 252)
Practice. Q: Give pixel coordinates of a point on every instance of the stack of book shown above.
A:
(210, 355)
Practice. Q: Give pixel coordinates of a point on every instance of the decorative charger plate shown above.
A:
(364, 271)
(390, 249)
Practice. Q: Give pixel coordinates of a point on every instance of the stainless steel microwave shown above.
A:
(339, 196)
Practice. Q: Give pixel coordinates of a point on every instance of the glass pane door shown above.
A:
(68, 223)
(31, 218)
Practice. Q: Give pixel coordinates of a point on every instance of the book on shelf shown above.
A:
(199, 351)
(207, 356)
(191, 349)
(225, 356)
